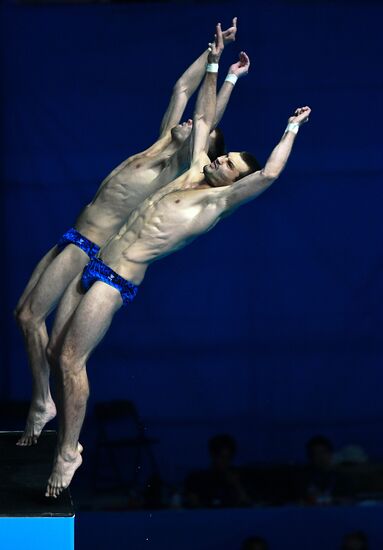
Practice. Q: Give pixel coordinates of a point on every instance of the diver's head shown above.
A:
(181, 132)
(228, 168)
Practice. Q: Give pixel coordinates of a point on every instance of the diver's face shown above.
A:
(182, 131)
(225, 169)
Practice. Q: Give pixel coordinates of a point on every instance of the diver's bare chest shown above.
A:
(128, 188)
(178, 201)
(176, 208)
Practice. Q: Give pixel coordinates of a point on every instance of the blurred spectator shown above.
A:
(350, 455)
(322, 483)
(254, 543)
(219, 485)
(355, 541)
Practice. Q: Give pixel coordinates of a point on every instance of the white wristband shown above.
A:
(231, 77)
(292, 127)
(212, 68)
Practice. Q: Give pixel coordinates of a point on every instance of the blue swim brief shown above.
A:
(74, 237)
(96, 270)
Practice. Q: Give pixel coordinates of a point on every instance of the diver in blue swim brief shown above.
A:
(72, 236)
(96, 270)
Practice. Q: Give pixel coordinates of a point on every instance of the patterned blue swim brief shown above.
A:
(72, 236)
(96, 270)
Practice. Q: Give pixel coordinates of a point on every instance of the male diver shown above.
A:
(165, 222)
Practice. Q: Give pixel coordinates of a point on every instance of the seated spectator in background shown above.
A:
(350, 455)
(254, 543)
(322, 484)
(220, 485)
(355, 541)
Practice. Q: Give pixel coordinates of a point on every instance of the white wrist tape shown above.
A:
(292, 127)
(212, 68)
(231, 77)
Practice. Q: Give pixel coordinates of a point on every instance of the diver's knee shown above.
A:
(24, 316)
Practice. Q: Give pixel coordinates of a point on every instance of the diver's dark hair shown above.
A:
(216, 144)
(251, 162)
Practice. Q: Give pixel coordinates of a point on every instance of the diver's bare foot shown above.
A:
(62, 473)
(38, 416)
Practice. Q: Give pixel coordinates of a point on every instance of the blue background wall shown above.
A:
(269, 327)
